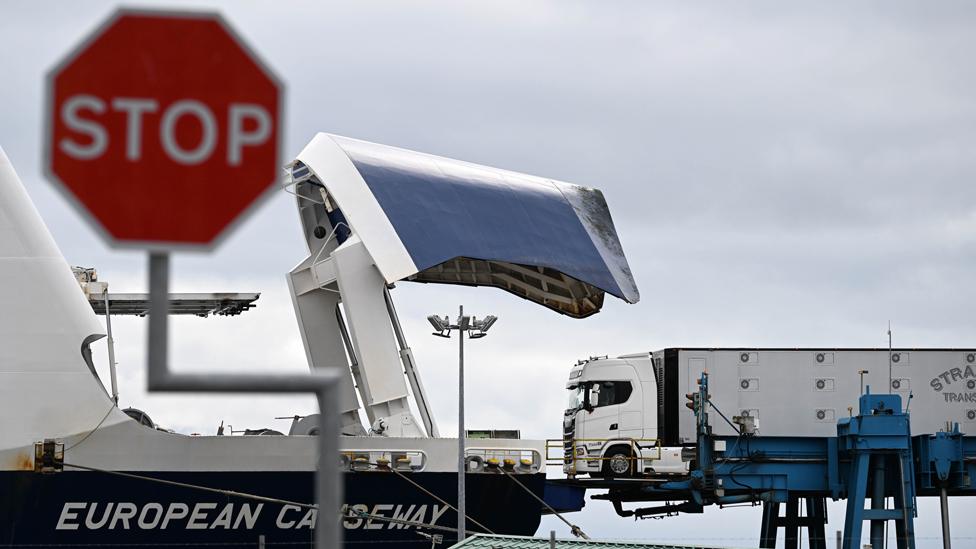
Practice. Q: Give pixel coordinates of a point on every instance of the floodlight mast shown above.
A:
(475, 329)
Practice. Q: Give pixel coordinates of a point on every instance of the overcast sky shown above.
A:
(779, 176)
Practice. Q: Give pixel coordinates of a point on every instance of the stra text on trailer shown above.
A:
(627, 415)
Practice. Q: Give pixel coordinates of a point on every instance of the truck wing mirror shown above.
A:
(593, 395)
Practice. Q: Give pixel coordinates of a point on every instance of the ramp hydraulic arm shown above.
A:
(347, 320)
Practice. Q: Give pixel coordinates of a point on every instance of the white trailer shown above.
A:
(775, 391)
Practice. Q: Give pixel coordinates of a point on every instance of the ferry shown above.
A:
(75, 469)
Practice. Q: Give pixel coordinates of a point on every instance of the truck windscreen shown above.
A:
(576, 398)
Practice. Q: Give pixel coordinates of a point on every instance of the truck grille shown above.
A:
(569, 435)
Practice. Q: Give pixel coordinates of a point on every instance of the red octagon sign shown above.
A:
(163, 129)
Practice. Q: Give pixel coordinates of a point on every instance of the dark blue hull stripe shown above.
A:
(80, 508)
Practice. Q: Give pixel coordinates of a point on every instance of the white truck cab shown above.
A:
(610, 423)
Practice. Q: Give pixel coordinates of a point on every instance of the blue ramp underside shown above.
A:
(551, 242)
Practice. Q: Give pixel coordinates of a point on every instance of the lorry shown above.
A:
(627, 415)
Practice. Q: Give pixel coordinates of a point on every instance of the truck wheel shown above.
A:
(618, 462)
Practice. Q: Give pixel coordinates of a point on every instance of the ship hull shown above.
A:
(108, 510)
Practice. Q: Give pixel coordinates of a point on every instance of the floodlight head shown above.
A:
(439, 324)
(442, 325)
(487, 322)
(479, 327)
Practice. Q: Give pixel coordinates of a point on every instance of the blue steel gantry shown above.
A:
(874, 458)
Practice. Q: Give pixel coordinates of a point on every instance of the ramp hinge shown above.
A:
(48, 456)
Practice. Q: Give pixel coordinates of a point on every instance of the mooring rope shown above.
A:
(576, 530)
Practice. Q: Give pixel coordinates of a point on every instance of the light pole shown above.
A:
(475, 329)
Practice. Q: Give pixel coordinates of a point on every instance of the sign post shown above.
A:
(164, 130)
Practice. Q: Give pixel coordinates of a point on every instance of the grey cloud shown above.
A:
(780, 174)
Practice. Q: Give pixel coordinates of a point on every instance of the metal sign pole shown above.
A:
(323, 383)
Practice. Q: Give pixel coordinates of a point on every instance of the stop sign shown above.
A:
(163, 129)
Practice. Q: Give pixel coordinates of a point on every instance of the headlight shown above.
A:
(580, 451)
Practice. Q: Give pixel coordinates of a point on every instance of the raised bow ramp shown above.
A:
(432, 219)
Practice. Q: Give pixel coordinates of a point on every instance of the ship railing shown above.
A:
(484, 459)
(383, 460)
(567, 452)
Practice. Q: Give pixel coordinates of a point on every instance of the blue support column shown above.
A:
(816, 522)
(856, 493)
(905, 528)
(813, 520)
(878, 498)
(770, 525)
(792, 533)
(879, 445)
